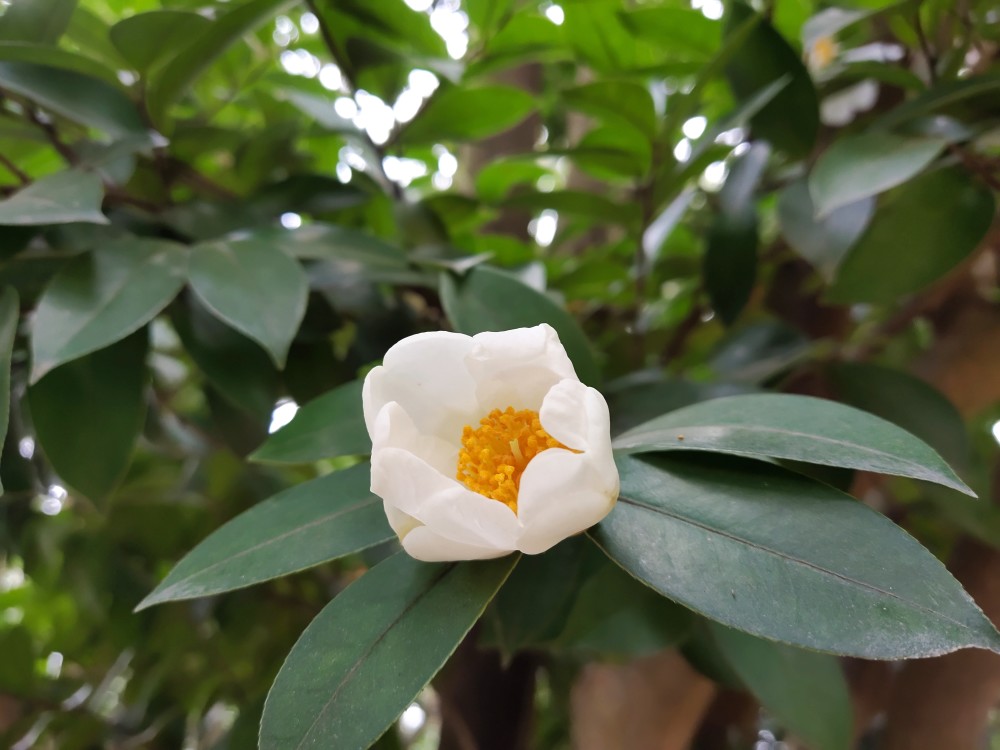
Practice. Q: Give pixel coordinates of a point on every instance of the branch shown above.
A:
(15, 170)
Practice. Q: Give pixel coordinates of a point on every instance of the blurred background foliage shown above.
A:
(214, 212)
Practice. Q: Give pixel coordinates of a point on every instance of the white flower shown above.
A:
(506, 413)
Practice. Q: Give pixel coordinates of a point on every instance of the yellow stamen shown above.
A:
(495, 454)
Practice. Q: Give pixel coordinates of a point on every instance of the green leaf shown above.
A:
(908, 402)
(203, 47)
(856, 167)
(76, 96)
(368, 654)
(255, 288)
(486, 299)
(103, 296)
(805, 691)
(145, 39)
(459, 114)
(730, 263)
(88, 413)
(590, 206)
(921, 231)
(943, 95)
(238, 367)
(9, 312)
(62, 198)
(798, 428)
(309, 524)
(342, 244)
(56, 57)
(331, 425)
(496, 179)
(790, 121)
(823, 242)
(617, 101)
(683, 31)
(781, 545)
(42, 21)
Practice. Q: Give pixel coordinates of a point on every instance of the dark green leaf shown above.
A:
(758, 351)
(486, 299)
(921, 231)
(148, 38)
(202, 48)
(330, 242)
(805, 691)
(790, 121)
(312, 523)
(9, 312)
(941, 96)
(370, 652)
(55, 57)
(783, 545)
(82, 98)
(823, 242)
(859, 166)
(730, 264)
(101, 297)
(254, 287)
(904, 400)
(458, 114)
(239, 368)
(591, 206)
(799, 428)
(62, 198)
(332, 425)
(42, 21)
(88, 414)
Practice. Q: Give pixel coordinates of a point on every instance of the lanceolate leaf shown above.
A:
(793, 560)
(9, 311)
(490, 300)
(88, 413)
(805, 691)
(468, 113)
(370, 652)
(921, 230)
(312, 523)
(255, 287)
(856, 167)
(202, 48)
(41, 21)
(332, 425)
(63, 198)
(102, 297)
(147, 38)
(799, 428)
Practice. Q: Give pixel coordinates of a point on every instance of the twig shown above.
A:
(52, 134)
(15, 170)
(925, 47)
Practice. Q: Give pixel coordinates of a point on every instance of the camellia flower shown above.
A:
(487, 444)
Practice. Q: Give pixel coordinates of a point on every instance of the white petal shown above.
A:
(424, 544)
(426, 374)
(400, 523)
(393, 428)
(441, 503)
(561, 494)
(517, 368)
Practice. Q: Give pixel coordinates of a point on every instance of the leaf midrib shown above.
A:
(784, 556)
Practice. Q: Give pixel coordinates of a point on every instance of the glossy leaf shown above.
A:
(75, 96)
(823, 242)
(402, 618)
(202, 48)
(101, 297)
(857, 167)
(342, 244)
(62, 198)
(309, 524)
(9, 313)
(467, 114)
(920, 231)
(805, 691)
(145, 39)
(331, 425)
(102, 395)
(782, 545)
(489, 300)
(42, 21)
(730, 263)
(790, 121)
(255, 288)
(798, 428)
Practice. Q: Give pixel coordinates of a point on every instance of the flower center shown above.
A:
(495, 455)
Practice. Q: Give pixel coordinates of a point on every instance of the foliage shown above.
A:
(215, 211)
